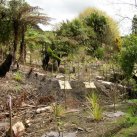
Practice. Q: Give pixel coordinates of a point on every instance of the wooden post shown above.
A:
(78, 70)
(10, 113)
(65, 86)
(89, 73)
(52, 69)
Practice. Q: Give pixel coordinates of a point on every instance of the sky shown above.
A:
(122, 11)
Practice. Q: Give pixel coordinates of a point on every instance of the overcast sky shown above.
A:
(61, 10)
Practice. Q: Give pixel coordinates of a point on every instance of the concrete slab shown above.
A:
(56, 134)
(89, 85)
(64, 84)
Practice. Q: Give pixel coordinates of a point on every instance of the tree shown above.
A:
(99, 25)
(30, 17)
(128, 55)
(103, 25)
(5, 24)
(22, 15)
(73, 30)
(36, 40)
(93, 29)
(134, 24)
(5, 30)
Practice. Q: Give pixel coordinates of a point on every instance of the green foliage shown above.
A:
(72, 35)
(131, 116)
(128, 55)
(127, 132)
(58, 110)
(107, 25)
(134, 25)
(17, 88)
(91, 30)
(95, 109)
(98, 23)
(15, 18)
(99, 53)
(5, 25)
(132, 101)
(18, 76)
(129, 123)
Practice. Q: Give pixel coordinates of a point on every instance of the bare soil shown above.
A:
(43, 90)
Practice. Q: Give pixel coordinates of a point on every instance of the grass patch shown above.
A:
(127, 132)
(18, 76)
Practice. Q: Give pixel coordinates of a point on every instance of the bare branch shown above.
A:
(123, 18)
(124, 3)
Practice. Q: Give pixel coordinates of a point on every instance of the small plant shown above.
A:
(95, 109)
(18, 76)
(59, 111)
(17, 88)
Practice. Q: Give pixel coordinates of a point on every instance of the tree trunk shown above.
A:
(15, 42)
(22, 46)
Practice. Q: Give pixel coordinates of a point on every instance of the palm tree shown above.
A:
(22, 15)
(30, 17)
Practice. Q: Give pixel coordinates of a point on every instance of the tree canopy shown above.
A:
(92, 29)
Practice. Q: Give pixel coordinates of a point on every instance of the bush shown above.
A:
(99, 53)
(58, 110)
(128, 55)
(18, 76)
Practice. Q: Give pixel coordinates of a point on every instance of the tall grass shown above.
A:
(95, 110)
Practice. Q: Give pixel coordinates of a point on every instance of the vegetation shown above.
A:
(95, 109)
(59, 111)
(85, 50)
(18, 76)
(18, 15)
(128, 55)
(129, 123)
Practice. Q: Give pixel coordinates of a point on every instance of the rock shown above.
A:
(106, 87)
(89, 130)
(105, 82)
(40, 74)
(72, 111)
(27, 123)
(100, 78)
(90, 85)
(80, 129)
(113, 115)
(18, 128)
(44, 109)
(59, 76)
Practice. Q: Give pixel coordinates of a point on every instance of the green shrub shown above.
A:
(127, 132)
(99, 53)
(131, 116)
(58, 110)
(128, 55)
(18, 76)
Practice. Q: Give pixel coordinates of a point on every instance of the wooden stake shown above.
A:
(65, 86)
(10, 113)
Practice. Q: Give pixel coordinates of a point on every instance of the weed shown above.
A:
(58, 110)
(18, 76)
